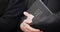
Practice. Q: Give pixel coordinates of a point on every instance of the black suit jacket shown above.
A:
(49, 23)
(10, 14)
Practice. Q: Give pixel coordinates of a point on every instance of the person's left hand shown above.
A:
(25, 25)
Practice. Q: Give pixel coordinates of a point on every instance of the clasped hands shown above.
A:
(25, 25)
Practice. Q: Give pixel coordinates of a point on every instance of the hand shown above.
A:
(25, 27)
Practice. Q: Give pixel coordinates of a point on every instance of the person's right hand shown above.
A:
(25, 27)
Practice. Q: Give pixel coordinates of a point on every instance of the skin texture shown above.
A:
(25, 25)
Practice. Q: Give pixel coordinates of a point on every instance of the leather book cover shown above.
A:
(39, 10)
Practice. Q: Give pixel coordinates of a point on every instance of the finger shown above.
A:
(28, 21)
(27, 29)
(23, 28)
(29, 16)
(26, 14)
(32, 29)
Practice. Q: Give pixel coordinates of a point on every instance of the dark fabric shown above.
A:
(10, 14)
(50, 23)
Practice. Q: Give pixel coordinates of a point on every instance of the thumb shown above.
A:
(29, 16)
(26, 14)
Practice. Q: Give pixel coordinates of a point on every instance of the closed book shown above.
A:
(39, 10)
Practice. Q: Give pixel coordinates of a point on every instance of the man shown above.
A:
(10, 14)
(52, 22)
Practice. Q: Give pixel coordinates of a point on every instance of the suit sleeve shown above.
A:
(48, 23)
(9, 19)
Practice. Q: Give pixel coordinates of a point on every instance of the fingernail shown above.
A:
(25, 12)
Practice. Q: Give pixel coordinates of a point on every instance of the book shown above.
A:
(39, 10)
